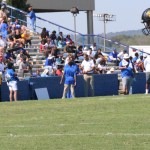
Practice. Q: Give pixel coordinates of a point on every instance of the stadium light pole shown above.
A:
(74, 11)
(105, 18)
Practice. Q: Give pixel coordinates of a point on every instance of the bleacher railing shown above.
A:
(82, 39)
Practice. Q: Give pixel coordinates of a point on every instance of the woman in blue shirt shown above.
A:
(70, 79)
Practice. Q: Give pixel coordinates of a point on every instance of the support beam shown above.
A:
(90, 26)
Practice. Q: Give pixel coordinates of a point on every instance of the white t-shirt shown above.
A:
(147, 64)
(87, 65)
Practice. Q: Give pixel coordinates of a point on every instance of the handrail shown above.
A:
(97, 35)
(25, 13)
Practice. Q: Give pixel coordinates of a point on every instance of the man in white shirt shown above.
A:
(88, 69)
(147, 70)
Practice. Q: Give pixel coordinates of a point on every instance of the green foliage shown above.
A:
(98, 123)
(21, 4)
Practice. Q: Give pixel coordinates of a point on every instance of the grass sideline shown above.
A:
(99, 123)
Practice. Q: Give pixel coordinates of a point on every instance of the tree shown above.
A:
(20, 4)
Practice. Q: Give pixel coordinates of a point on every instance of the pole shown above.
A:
(75, 28)
(104, 32)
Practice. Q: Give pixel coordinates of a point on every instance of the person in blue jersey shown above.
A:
(70, 79)
(4, 27)
(11, 79)
(112, 57)
(127, 72)
(32, 17)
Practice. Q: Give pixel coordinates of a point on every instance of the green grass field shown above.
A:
(99, 123)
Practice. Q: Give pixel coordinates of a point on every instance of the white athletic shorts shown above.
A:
(12, 85)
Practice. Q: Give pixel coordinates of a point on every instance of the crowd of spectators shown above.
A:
(14, 38)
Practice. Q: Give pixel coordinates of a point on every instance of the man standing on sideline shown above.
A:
(88, 69)
(127, 72)
(32, 17)
(11, 79)
(147, 70)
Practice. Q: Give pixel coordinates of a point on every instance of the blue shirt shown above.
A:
(49, 62)
(114, 55)
(69, 73)
(12, 75)
(128, 72)
(4, 27)
(32, 15)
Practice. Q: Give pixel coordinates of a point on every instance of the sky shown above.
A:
(128, 16)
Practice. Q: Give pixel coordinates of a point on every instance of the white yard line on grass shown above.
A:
(77, 134)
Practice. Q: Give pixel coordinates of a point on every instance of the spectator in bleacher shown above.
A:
(136, 57)
(59, 70)
(32, 17)
(11, 43)
(88, 68)
(36, 74)
(60, 36)
(68, 58)
(94, 47)
(19, 57)
(10, 56)
(3, 12)
(113, 56)
(16, 22)
(44, 35)
(2, 65)
(121, 54)
(102, 68)
(70, 47)
(2, 56)
(45, 73)
(99, 58)
(99, 52)
(42, 46)
(11, 78)
(17, 37)
(111, 71)
(4, 27)
(2, 41)
(49, 44)
(79, 53)
(70, 79)
(127, 72)
(21, 48)
(60, 43)
(26, 36)
(24, 67)
(147, 70)
(140, 64)
(90, 53)
(53, 37)
(50, 64)
(68, 38)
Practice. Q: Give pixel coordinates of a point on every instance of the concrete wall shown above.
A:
(61, 5)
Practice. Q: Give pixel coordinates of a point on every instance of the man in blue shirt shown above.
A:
(127, 72)
(32, 17)
(70, 79)
(113, 57)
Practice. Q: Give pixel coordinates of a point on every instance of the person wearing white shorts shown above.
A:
(12, 85)
(11, 79)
